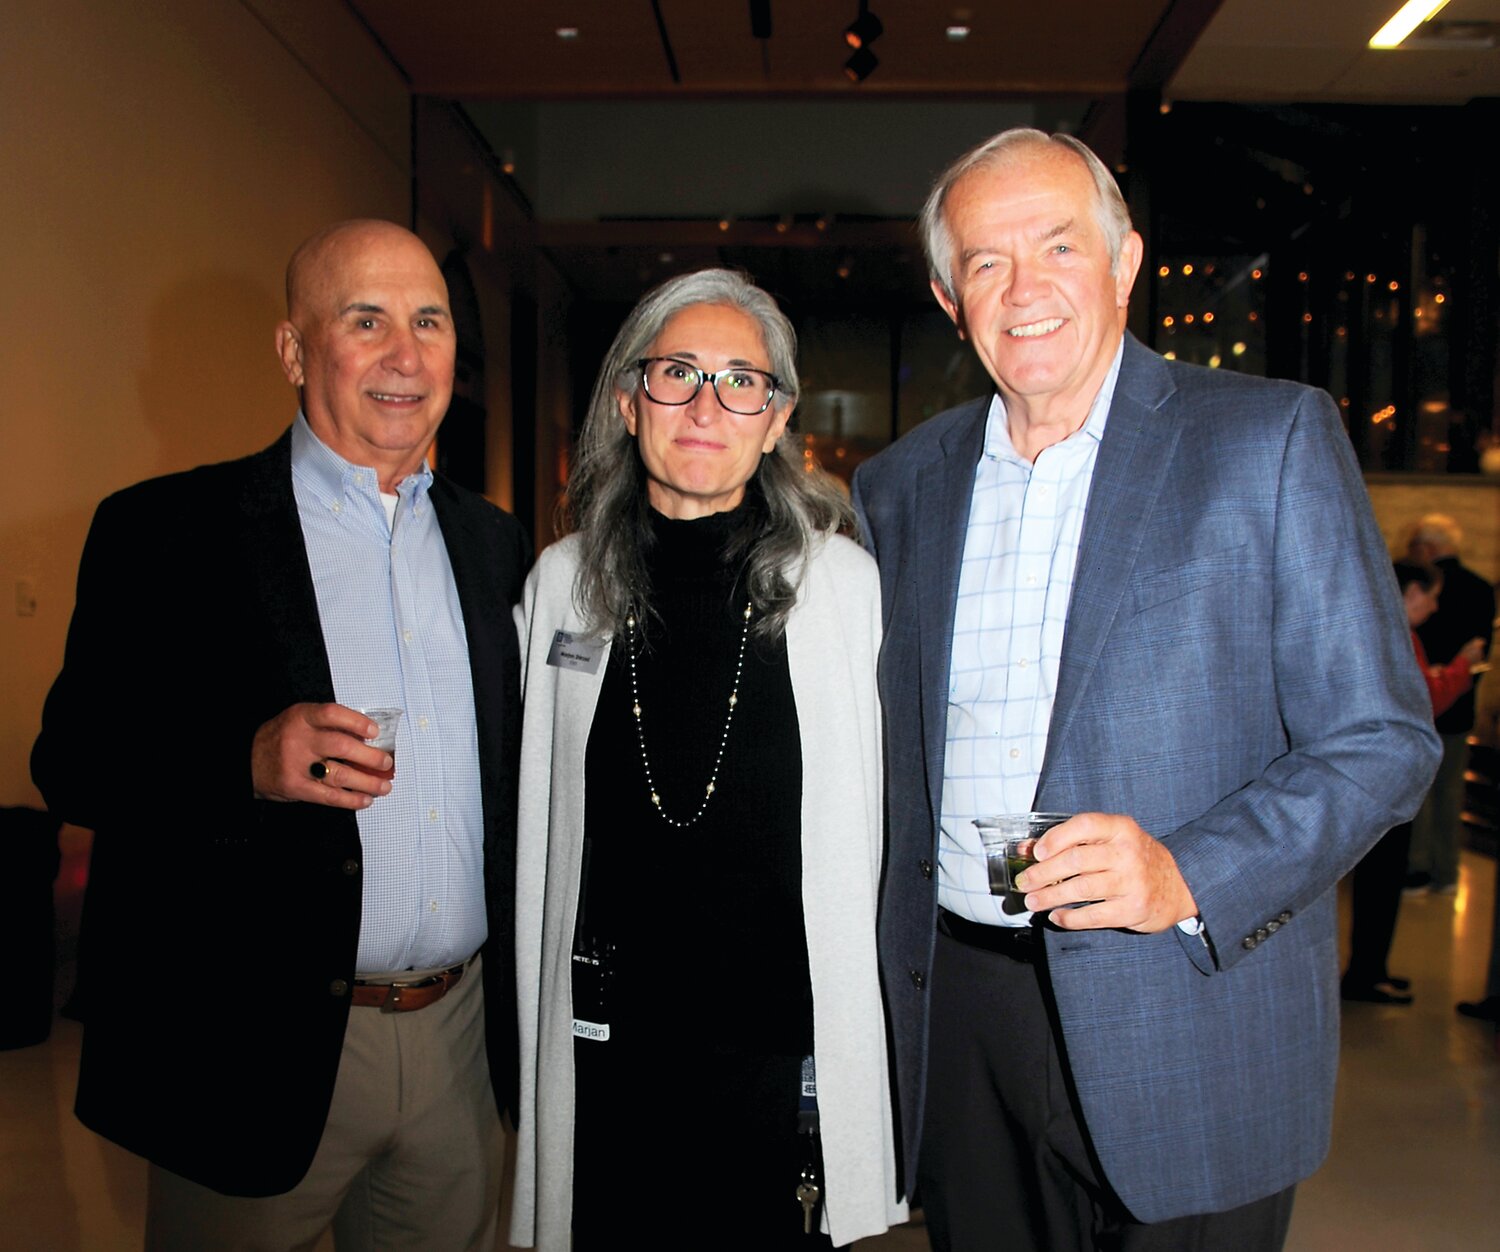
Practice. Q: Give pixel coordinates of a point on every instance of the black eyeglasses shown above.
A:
(743, 391)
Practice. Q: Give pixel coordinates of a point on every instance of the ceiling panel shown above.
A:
(484, 49)
(1292, 50)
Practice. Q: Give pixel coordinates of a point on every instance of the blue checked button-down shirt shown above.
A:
(395, 638)
(1020, 551)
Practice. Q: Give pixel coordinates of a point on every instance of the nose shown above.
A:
(706, 406)
(403, 353)
(1027, 283)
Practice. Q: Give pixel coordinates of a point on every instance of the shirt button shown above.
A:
(406, 635)
(422, 723)
(1031, 580)
(1015, 754)
(337, 507)
(432, 906)
(432, 815)
(1022, 663)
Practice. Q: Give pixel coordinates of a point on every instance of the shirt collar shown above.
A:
(318, 464)
(997, 444)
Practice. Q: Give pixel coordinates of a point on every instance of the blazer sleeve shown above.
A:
(1361, 748)
(119, 723)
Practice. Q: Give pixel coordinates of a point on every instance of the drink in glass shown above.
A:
(1009, 840)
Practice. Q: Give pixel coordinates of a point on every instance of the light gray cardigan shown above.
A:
(833, 639)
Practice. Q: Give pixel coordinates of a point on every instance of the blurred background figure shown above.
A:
(1378, 876)
(1465, 610)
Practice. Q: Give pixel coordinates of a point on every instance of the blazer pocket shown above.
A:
(1165, 583)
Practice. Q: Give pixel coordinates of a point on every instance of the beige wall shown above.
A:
(1473, 502)
(161, 161)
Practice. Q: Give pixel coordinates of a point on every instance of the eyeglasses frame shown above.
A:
(712, 380)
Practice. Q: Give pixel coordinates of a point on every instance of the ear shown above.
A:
(289, 349)
(950, 307)
(776, 429)
(626, 402)
(1131, 251)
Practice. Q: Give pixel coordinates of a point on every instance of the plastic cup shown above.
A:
(1009, 841)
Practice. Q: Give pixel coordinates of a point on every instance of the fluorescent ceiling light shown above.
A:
(1407, 18)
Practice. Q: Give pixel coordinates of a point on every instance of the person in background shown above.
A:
(287, 1012)
(1466, 610)
(700, 830)
(1378, 877)
(1152, 596)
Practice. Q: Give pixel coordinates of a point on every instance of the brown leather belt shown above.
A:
(1017, 942)
(406, 997)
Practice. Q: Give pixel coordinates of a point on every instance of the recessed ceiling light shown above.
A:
(956, 34)
(567, 32)
(1405, 20)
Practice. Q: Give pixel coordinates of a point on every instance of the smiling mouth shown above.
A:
(1032, 329)
(386, 397)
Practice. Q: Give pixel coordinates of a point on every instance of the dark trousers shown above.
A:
(1005, 1162)
(1377, 883)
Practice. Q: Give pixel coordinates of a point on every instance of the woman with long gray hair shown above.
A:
(700, 809)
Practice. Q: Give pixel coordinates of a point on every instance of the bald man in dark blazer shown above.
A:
(234, 1034)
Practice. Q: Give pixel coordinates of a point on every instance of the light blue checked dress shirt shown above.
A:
(395, 638)
(1020, 552)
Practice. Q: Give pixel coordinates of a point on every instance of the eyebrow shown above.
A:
(361, 306)
(738, 362)
(1062, 228)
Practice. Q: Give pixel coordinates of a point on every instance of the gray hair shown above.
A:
(1439, 532)
(1109, 205)
(606, 503)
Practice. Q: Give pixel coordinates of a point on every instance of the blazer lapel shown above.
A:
(478, 570)
(945, 490)
(1139, 440)
(277, 554)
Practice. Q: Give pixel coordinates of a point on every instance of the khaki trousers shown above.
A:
(410, 1157)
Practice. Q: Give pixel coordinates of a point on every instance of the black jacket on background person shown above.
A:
(220, 931)
(1466, 610)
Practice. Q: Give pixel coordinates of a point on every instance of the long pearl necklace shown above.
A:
(640, 732)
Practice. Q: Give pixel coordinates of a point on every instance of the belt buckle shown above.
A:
(447, 979)
(398, 989)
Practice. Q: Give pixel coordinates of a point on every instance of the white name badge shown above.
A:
(591, 1030)
(577, 652)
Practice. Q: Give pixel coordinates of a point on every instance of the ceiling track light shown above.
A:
(860, 66)
(864, 29)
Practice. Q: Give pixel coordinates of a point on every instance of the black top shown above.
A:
(706, 921)
(1466, 609)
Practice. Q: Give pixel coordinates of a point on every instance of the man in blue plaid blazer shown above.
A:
(1153, 596)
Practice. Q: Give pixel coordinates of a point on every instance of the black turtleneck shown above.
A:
(706, 921)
